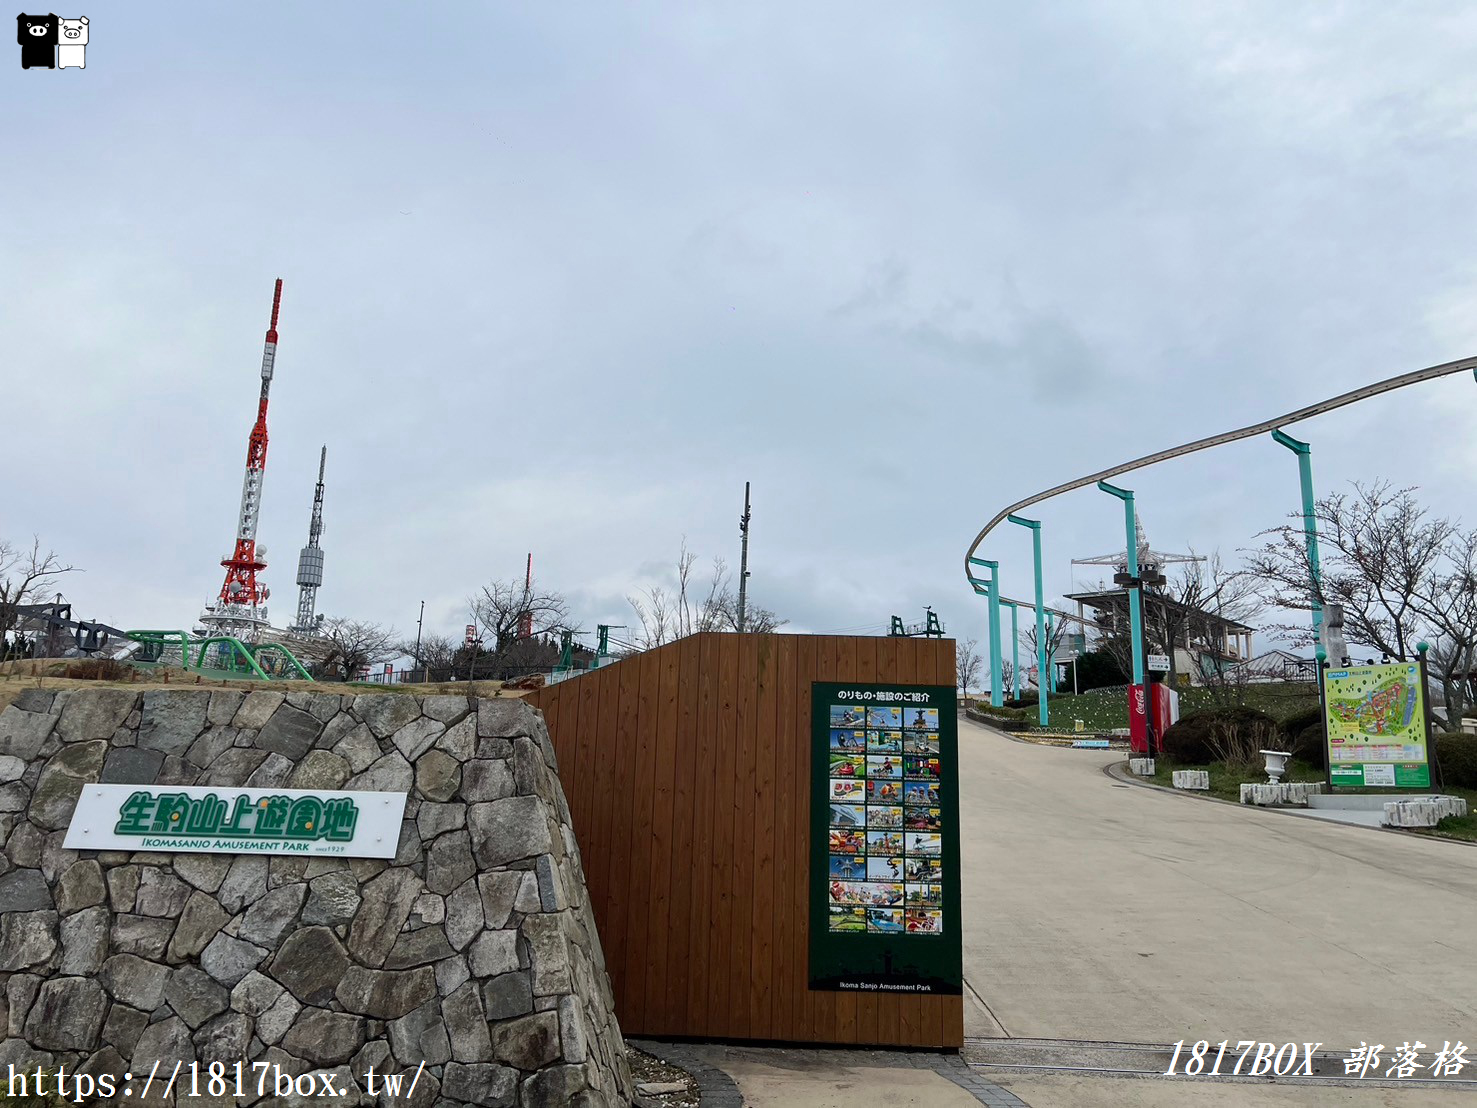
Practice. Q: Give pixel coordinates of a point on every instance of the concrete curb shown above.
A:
(1118, 771)
(718, 1090)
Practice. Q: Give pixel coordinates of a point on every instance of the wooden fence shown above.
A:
(687, 770)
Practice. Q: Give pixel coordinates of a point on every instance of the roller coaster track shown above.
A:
(1321, 408)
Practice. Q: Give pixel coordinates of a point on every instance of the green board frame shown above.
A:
(869, 959)
(1390, 696)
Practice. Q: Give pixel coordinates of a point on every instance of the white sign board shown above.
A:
(229, 820)
(1158, 663)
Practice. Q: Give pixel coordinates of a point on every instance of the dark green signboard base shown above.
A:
(884, 839)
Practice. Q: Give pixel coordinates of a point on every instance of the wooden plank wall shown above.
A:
(687, 770)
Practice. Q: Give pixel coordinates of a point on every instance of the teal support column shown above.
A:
(997, 693)
(1135, 611)
(1015, 651)
(1051, 680)
(1310, 523)
(1044, 670)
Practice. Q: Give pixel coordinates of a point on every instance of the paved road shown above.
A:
(1095, 911)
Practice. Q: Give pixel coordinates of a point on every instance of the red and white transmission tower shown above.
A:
(241, 608)
(525, 621)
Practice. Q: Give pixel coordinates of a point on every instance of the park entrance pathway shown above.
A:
(1101, 911)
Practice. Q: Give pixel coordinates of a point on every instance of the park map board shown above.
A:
(884, 905)
(1376, 722)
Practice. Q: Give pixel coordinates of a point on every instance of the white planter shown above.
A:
(1276, 764)
(1191, 778)
(1422, 811)
(1285, 794)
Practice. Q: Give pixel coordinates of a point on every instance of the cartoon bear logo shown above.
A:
(38, 38)
(71, 51)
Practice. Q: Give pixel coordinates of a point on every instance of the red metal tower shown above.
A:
(525, 621)
(241, 597)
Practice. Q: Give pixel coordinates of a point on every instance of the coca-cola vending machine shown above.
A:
(1166, 708)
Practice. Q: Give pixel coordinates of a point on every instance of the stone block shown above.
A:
(67, 1015)
(1141, 767)
(1191, 779)
(508, 830)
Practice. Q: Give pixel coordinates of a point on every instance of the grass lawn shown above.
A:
(1107, 709)
(1225, 784)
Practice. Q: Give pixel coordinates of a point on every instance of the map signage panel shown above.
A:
(1375, 717)
(884, 856)
(224, 820)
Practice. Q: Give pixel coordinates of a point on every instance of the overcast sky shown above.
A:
(561, 277)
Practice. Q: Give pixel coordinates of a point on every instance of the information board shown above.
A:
(884, 872)
(1375, 717)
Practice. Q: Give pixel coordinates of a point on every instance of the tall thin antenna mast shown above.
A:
(310, 561)
(744, 559)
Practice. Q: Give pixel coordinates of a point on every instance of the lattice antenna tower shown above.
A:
(240, 610)
(310, 563)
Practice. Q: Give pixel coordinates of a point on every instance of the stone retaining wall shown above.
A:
(473, 951)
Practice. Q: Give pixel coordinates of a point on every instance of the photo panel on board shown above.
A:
(922, 843)
(920, 794)
(848, 790)
(882, 791)
(848, 842)
(884, 719)
(925, 921)
(885, 842)
(921, 719)
(884, 742)
(921, 767)
(921, 895)
(884, 815)
(885, 920)
(885, 868)
(923, 819)
(885, 766)
(848, 918)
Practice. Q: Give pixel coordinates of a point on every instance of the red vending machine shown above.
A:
(1166, 709)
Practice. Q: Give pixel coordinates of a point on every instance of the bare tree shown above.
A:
(1193, 600)
(499, 612)
(1060, 629)
(1381, 555)
(1450, 607)
(967, 662)
(665, 614)
(354, 645)
(435, 655)
(26, 577)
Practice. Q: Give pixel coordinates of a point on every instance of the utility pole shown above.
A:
(743, 559)
(418, 639)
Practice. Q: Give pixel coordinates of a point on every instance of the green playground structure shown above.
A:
(268, 661)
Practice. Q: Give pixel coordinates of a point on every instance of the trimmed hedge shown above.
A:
(1456, 753)
(1188, 741)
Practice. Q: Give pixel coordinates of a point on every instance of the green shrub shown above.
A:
(1302, 719)
(1310, 745)
(1200, 737)
(1456, 754)
(992, 714)
(1306, 737)
(1027, 699)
